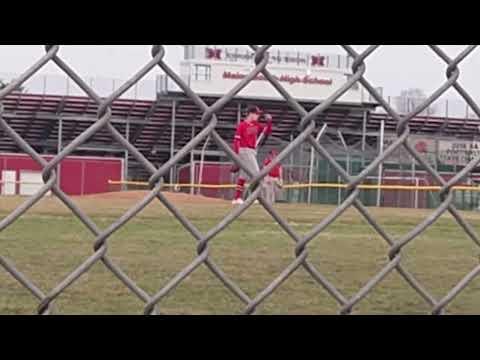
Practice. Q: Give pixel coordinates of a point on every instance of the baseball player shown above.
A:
(274, 180)
(245, 146)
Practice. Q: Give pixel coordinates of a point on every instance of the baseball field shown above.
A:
(48, 242)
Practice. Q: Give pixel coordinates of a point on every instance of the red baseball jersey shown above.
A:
(275, 173)
(247, 134)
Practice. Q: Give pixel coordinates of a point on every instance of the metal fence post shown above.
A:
(380, 168)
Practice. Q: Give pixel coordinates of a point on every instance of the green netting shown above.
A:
(324, 173)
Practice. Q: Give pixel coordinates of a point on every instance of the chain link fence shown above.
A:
(308, 130)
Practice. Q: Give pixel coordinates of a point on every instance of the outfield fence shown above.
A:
(307, 133)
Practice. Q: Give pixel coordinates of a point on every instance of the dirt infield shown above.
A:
(177, 198)
(113, 203)
(117, 203)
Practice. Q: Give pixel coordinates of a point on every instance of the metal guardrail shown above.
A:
(62, 85)
(307, 131)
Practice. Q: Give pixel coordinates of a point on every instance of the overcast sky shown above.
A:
(393, 67)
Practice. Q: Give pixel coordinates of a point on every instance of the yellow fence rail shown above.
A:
(305, 186)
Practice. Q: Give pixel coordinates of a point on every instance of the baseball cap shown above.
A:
(254, 110)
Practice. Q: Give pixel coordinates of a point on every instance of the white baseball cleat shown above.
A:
(237, 202)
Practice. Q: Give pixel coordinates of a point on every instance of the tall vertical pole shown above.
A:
(364, 137)
(239, 113)
(192, 165)
(172, 139)
(380, 168)
(414, 171)
(291, 161)
(417, 184)
(202, 162)
(310, 170)
(59, 147)
(126, 165)
(414, 168)
(339, 191)
(312, 160)
(347, 151)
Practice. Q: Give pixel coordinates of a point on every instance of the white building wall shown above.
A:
(215, 71)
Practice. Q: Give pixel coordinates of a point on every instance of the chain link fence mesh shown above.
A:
(308, 129)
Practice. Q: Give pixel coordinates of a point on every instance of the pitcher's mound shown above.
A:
(173, 197)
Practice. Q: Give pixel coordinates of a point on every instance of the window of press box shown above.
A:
(203, 72)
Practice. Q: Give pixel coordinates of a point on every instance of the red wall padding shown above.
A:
(78, 175)
(71, 177)
(97, 174)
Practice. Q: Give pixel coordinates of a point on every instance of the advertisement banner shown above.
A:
(457, 152)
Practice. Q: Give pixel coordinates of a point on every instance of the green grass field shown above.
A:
(49, 242)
